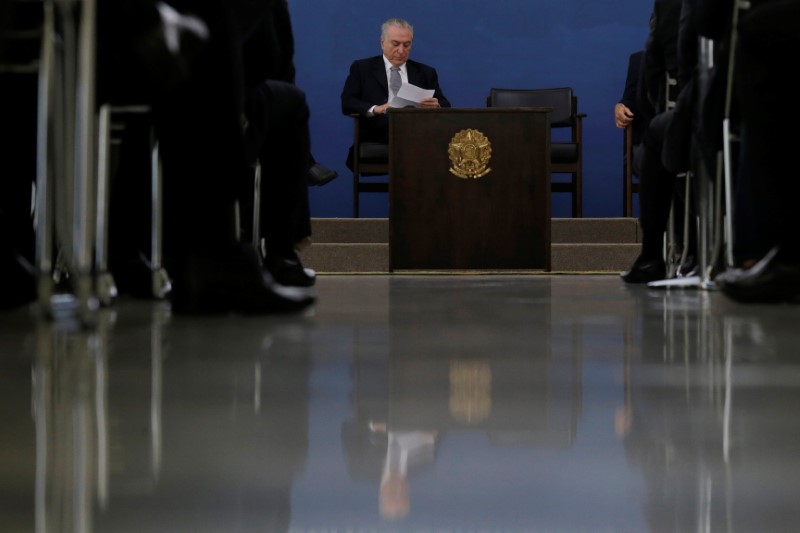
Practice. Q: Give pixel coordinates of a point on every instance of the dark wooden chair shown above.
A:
(565, 157)
(368, 159)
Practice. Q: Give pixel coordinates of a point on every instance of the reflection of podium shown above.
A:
(469, 189)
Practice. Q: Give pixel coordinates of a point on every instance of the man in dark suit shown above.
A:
(766, 186)
(656, 183)
(270, 55)
(367, 88)
(277, 134)
(198, 121)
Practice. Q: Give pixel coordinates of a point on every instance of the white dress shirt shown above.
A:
(388, 68)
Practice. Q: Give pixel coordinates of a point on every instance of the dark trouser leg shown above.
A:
(769, 170)
(656, 188)
(18, 155)
(202, 150)
(18, 98)
(285, 157)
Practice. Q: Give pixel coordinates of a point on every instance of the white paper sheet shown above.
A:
(410, 95)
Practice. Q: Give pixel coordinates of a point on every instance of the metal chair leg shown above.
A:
(83, 226)
(687, 218)
(106, 288)
(162, 285)
(44, 184)
(257, 244)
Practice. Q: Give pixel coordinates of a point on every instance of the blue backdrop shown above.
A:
(475, 45)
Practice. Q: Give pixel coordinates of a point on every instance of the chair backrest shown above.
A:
(560, 99)
(565, 157)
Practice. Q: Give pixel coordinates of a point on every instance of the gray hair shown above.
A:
(397, 23)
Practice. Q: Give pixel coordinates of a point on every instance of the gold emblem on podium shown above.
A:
(470, 391)
(470, 152)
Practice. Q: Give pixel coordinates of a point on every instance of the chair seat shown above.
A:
(563, 152)
(373, 152)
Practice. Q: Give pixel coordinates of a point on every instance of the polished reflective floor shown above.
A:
(409, 403)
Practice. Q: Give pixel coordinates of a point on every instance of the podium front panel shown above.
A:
(469, 189)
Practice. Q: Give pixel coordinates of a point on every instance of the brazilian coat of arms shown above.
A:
(470, 152)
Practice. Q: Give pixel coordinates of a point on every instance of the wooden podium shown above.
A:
(469, 189)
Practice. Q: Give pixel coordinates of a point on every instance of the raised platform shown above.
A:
(361, 245)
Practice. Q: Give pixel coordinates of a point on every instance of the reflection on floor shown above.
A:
(409, 403)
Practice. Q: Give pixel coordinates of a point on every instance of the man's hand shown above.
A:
(430, 102)
(623, 116)
(380, 109)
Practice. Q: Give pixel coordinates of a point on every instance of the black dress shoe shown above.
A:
(771, 280)
(232, 282)
(290, 272)
(320, 175)
(645, 271)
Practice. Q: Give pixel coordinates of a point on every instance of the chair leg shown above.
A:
(627, 172)
(671, 245)
(687, 225)
(85, 289)
(161, 283)
(257, 213)
(66, 153)
(355, 195)
(577, 195)
(675, 253)
(728, 140)
(106, 288)
(255, 236)
(44, 187)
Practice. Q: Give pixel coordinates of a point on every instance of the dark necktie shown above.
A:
(394, 81)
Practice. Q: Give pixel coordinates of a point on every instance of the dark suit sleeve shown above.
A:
(438, 94)
(426, 77)
(653, 66)
(632, 82)
(630, 97)
(660, 54)
(354, 99)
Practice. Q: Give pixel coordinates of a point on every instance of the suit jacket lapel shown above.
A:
(414, 74)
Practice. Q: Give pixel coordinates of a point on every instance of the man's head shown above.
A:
(396, 38)
(393, 499)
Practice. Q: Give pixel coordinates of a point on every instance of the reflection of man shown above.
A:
(370, 87)
(405, 449)
(375, 452)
